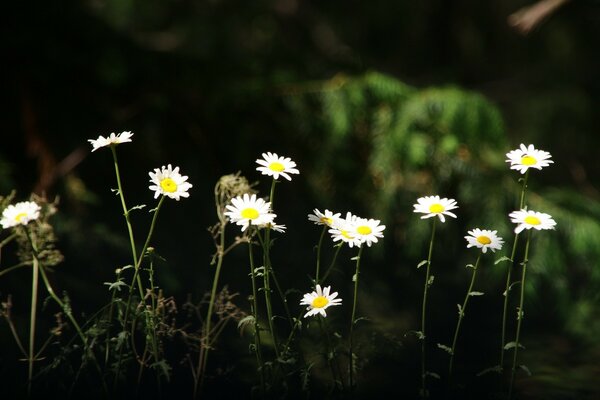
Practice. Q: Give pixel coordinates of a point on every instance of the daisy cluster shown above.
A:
(352, 229)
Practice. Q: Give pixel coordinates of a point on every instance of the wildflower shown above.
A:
(320, 218)
(433, 206)
(528, 219)
(528, 157)
(273, 165)
(318, 301)
(20, 214)
(275, 227)
(343, 229)
(248, 210)
(110, 140)
(484, 239)
(368, 230)
(169, 182)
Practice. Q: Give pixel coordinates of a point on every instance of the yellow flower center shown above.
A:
(528, 160)
(250, 213)
(436, 208)
(326, 220)
(276, 166)
(484, 239)
(320, 302)
(168, 185)
(364, 230)
(531, 220)
(346, 234)
(20, 216)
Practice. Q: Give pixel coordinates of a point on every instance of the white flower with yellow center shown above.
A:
(20, 214)
(325, 218)
(273, 226)
(169, 182)
(433, 206)
(273, 165)
(319, 300)
(529, 219)
(344, 229)
(527, 157)
(368, 230)
(484, 239)
(110, 140)
(249, 210)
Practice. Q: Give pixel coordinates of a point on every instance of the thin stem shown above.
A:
(335, 255)
(519, 315)
(330, 355)
(32, 320)
(267, 288)
(509, 273)
(352, 320)
(19, 265)
(204, 349)
(461, 314)
(257, 344)
(424, 393)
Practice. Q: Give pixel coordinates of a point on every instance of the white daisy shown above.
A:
(169, 182)
(484, 239)
(344, 229)
(325, 218)
(248, 210)
(20, 214)
(318, 301)
(528, 157)
(273, 165)
(275, 227)
(368, 230)
(528, 219)
(110, 140)
(433, 206)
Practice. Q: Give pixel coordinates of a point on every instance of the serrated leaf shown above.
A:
(138, 207)
(501, 259)
(445, 348)
(460, 310)
(524, 368)
(511, 345)
(419, 265)
(418, 334)
(476, 293)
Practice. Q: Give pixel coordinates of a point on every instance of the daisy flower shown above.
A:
(275, 227)
(343, 229)
(368, 230)
(484, 239)
(110, 140)
(20, 214)
(325, 218)
(318, 301)
(528, 219)
(433, 206)
(169, 182)
(528, 157)
(249, 210)
(273, 165)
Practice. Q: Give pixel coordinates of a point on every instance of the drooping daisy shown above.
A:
(110, 140)
(484, 239)
(528, 157)
(20, 214)
(529, 219)
(319, 300)
(368, 230)
(275, 227)
(325, 218)
(433, 206)
(169, 182)
(344, 229)
(249, 210)
(273, 165)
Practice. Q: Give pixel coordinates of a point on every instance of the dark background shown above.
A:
(210, 85)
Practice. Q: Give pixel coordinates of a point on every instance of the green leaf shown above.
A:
(419, 265)
(460, 311)
(524, 368)
(115, 285)
(501, 259)
(433, 374)
(511, 345)
(476, 293)
(244, 322)
(418, 334)
(138, 207)
(445, 348)
(470, 266)
(430, 281)
(495, 368)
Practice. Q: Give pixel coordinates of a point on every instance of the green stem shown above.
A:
(267, 287)
(204, 348)
(352, 320)
(509, 273)
(319, 254)
(32, 320)
(330, 356)
(19, 265)
(257, 343)
(335, 255)
(424, 393)
(461, 314)
(519, 315)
